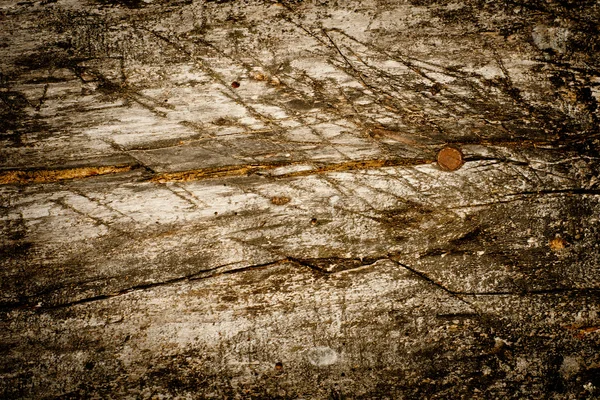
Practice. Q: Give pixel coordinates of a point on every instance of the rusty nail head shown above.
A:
(235, 84)
(450, 158)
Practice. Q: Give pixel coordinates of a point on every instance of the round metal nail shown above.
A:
(450, 158)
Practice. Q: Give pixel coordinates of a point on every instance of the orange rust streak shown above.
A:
(581, 331)
(208, 173)
(55, 175)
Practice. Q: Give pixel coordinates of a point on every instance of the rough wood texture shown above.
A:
(240, 199)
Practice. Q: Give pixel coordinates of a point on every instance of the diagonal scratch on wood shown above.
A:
(425, 277)
(98, 221)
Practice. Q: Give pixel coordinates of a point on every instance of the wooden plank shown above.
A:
(242, 199)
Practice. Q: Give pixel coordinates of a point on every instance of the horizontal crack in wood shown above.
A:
(312, 264)
(30, 302)
(361, 165)
(239, 170)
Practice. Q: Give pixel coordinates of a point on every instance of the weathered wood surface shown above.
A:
(239, 199)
